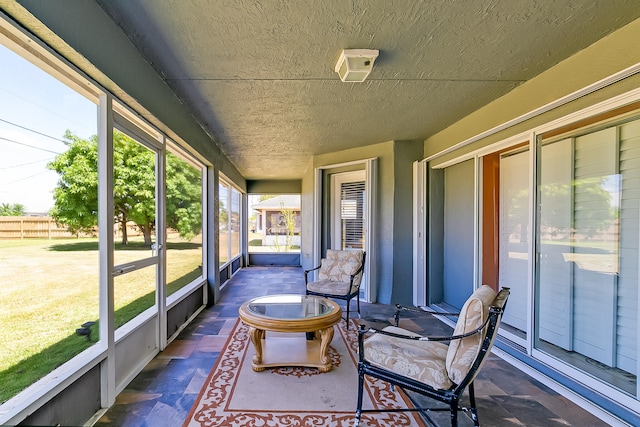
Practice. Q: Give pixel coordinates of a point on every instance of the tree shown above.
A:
(76, 195)
(183, 197)
(12, 209)
(289, 223)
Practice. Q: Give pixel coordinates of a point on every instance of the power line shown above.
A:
(45, 108)
(25, 178)
(26, 164)
(27, 145)
(34, 131)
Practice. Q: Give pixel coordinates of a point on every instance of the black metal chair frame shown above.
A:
(451, 396)
(347, 297)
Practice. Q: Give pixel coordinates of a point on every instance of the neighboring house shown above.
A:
(271, 220)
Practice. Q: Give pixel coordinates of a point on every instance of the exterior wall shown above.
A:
(602, 59)
(405, 153)
(306, 209)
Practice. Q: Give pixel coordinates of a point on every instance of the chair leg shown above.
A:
(348, 305)
(454, 413)
(472, 405)
(358, 297)
(360, 393)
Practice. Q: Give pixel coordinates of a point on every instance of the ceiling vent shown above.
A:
(354, 65)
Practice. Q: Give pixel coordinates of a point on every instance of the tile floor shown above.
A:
(163, 393)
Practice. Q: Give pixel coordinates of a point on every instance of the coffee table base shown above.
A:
(291, 351)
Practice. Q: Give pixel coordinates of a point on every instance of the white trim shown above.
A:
(419, 234)
(161, 243)
(371, 188)
(105, 248)
(477, 217)
(519, 138)
(317, 219)
(533, 242)
(607, 81)
(135, 124)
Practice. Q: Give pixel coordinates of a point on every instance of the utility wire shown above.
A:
(34, 131)
(26, 164)
(27, 145)
(25, 178)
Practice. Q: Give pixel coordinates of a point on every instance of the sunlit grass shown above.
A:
(48, 288)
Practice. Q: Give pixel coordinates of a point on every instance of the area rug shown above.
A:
(234, 395)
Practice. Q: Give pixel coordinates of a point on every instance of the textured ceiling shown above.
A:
(259, 75)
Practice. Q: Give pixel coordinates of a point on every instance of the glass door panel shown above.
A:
(588, 253)
(135, 207)
(514, 236)
(184, 222)
(134, 292)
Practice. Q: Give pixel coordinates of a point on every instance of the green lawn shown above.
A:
(48, 288)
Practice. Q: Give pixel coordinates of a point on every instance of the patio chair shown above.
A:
(339, 276)
(428, 366)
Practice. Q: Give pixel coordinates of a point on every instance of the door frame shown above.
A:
(336, 180)
(370, 167)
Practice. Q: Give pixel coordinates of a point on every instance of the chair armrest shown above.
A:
(309, 271)
(399, 308)
(363, 330)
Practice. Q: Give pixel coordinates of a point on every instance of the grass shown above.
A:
(50, 287)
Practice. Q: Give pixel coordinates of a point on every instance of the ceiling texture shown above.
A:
(258, 75)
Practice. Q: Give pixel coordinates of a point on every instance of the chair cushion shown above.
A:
(424, 361)
(464, 351)
(329, 287)
(337, 270)
(347, 255)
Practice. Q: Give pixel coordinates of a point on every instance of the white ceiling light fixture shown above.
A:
(354, 65)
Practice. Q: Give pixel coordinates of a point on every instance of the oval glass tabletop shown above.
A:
(290, 306)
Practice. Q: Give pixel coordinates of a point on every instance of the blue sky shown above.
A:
(35, 112)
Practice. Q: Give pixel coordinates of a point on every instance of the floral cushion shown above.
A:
(329, 287)
(347, 255)
(464, 351)
(334, 275)
(336, 270)
(423, 361)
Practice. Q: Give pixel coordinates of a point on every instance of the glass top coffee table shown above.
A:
(291, 313)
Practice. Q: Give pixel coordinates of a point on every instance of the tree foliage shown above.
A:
(76, 194)
(134, 192)
(183, 197)
(12, 209)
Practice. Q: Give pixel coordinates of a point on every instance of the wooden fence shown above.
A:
(33, 227)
